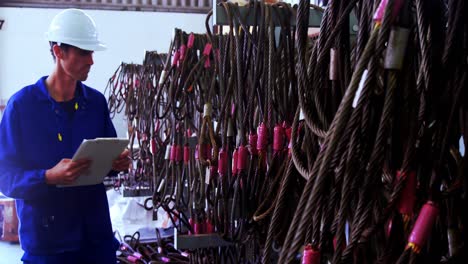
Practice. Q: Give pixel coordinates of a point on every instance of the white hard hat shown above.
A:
(74, 27)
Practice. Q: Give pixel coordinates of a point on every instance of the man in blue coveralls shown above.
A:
(42, 126)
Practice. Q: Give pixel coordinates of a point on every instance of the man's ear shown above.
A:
(58, 52)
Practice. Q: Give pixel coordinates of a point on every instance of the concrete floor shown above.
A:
(10, 253)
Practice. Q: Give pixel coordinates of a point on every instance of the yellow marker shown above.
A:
(59, 137)
(76, 106)
(415, 248)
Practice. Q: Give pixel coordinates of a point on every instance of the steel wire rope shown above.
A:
(336, 132)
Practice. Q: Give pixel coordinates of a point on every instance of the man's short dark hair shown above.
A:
(63, 46)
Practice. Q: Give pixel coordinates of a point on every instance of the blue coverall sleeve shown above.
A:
(16, 181)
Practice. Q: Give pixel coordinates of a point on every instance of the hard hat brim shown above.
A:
(92, 47)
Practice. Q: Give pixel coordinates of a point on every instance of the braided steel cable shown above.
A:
(288, 251)
(336, 130)
(410, 154)
(321, 59)
(424, 34)
(375, 163)
(408, 158)
(359, 125)
(279, 210)
(407, 166)
(303, 98)
(299, 163)
(377, 156)
(316, 192)
(269, 69)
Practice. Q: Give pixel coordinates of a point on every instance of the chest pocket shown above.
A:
(89, 124)
(40, 145)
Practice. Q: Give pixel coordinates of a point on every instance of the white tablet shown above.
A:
(102, 152)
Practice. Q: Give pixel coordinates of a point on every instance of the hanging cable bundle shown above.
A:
(331, 147)
(381, 162)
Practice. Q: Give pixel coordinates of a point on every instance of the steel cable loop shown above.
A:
(411, 149)
(224, 226)
(269, 69)
(302, 77)
(303, 99)
(248, 52)
(450, 99)
(270, 183)
(325, 45)
(434, 192)
(365, 85)
(240, 98)
(159, 98)
(113, 101)
(286, 249)
(224, 92)
(302, 80)
(320, 61)
(423, 80)
(200, 210)
(341, 115)
(376, 158)
(352, 172)
(351, 178)
(279, 207)
(287, 252)
(364, 25)
(359, 125)
(318, 86)
(249, 102)
(279, 98)
(338, 161)
(229, 233)
(133, 250)
(344, 59)
(269, 192)
(425, 46)
(454, 24)
(375, 162)
(407, 165)
(300, 165)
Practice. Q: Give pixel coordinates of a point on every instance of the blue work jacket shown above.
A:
(53, 219)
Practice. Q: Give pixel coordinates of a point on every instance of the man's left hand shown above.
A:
(122, 162)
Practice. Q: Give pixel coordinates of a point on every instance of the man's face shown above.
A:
(76, 63)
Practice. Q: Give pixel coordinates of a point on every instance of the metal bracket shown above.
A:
(137, 192)
(199, 241)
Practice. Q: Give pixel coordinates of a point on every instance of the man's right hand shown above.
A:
(66, 171)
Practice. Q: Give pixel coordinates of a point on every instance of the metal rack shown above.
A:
(179, 6)
(315, 17)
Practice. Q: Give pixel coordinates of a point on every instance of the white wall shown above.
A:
(24, 51)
